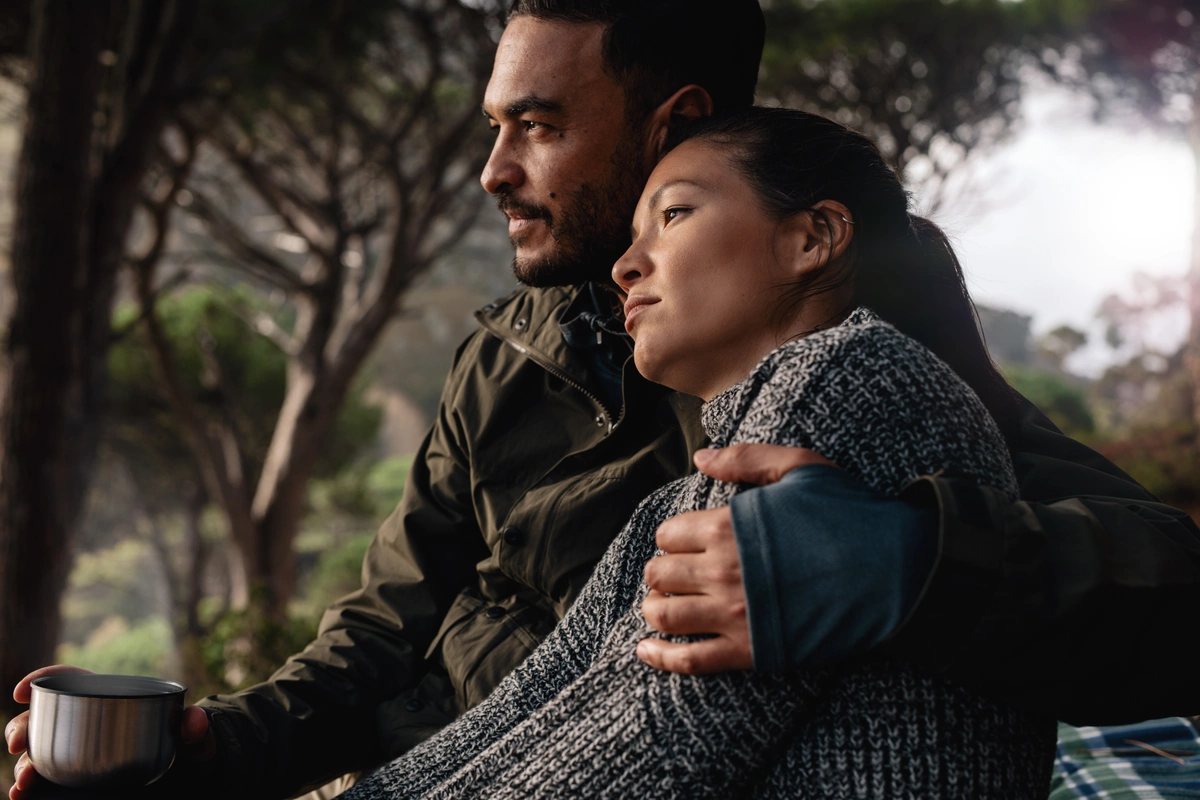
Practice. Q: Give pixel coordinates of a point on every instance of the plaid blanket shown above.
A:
(1158, 760)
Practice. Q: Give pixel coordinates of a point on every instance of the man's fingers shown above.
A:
(694, 573)
(199, 743)
(695, 531)
(759, 464)
(22, 692)
(15, 733)
(193, 727)
(693, 613)
(695, 658)
(25, 774)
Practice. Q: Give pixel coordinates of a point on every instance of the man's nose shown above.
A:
(503, 172)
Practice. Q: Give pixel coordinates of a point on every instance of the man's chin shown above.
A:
(545, 271)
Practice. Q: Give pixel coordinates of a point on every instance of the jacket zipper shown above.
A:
(553, 370)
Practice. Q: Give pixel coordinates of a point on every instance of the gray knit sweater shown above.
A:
(582, 717)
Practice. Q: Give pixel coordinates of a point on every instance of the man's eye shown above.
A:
(531, 125)
(495, 129)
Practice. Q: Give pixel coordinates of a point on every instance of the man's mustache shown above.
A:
(517, 208)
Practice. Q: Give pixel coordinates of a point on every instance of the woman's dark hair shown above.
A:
(902, 266)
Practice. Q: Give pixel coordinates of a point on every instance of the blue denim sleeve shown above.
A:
(830, 566)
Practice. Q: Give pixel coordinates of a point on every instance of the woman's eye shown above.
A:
(673, 212)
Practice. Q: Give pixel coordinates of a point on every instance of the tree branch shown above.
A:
(254, 258)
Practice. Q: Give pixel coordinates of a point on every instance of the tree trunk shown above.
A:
(48, 421)
(308, 413)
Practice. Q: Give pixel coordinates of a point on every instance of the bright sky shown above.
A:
(1069, 211)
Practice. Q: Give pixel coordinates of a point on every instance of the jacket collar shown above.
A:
(528, 319)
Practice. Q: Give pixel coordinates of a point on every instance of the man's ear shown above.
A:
(814, 239)
(689, 103)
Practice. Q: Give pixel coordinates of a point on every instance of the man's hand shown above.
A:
(701, 570)
(199, 744)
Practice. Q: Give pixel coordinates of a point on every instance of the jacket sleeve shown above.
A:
(315, 718)
(1077, 599)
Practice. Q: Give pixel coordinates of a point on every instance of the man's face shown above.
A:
(566, 169)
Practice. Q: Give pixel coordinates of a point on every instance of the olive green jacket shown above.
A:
(1068, 600)
(517, 491)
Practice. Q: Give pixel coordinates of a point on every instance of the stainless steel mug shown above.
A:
(98, 731)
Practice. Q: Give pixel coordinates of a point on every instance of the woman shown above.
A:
(767, 248)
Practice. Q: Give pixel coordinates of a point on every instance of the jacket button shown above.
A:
(599, 420)
(520, 324)
(495, 612)
(512, 535)
(414, 705)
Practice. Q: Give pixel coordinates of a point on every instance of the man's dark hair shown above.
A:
(655, 47)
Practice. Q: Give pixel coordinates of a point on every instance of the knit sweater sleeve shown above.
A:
(867, 397)
(565, 654)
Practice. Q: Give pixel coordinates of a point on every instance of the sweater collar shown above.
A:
(721, 415)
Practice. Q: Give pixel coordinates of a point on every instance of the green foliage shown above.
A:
(143, 648)
(345, 494)
(386, 481)
(1166, 461)
(1065, 404)
(244, 649)
(338, 572)
(121, 581)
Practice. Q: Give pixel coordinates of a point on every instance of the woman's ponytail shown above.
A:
(916, 283)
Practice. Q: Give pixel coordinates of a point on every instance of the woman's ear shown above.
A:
(689, 103)
(814, 239)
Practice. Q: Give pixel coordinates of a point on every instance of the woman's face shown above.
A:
(704, 274)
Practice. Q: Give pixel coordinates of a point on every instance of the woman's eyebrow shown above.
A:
(658, 193)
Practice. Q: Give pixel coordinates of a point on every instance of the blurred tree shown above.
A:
(1146, 389)
(101, 77)
(930, 80)
(1008, 335)
(208, 339)
(330, 186)
(1056, 346)
(1140, 61)
(1057, 396)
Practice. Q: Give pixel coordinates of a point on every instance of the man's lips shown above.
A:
(517, 224)
(635, 304)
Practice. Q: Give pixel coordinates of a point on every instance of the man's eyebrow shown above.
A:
(526, 104)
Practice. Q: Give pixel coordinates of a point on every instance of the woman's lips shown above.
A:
(634, 306)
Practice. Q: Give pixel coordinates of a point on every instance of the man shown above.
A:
(547, 438)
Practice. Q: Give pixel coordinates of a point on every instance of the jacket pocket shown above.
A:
(481, 642)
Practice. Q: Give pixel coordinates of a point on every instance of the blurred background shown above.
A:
(241, 240)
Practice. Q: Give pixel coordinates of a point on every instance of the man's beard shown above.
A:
(591, 231)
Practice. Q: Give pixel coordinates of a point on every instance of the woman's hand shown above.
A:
(701, 570)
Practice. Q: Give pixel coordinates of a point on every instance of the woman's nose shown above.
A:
(630, 268)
